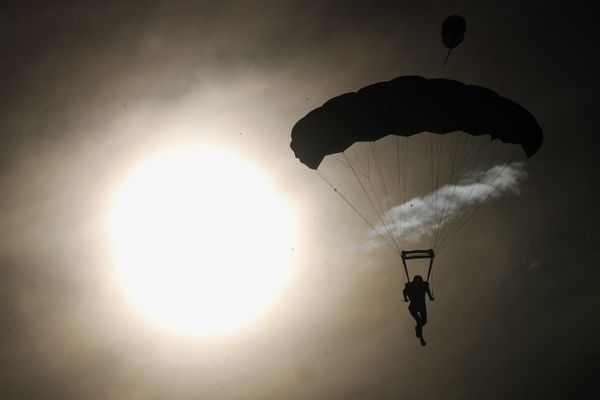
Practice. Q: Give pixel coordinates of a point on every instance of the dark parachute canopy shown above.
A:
(406, 106)
(453, 31)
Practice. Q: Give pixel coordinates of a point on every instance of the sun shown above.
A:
(201, 242)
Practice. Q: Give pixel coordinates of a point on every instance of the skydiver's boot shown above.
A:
(419, 331)
(422, 340)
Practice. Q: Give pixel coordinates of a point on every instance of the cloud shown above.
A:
(424, 216)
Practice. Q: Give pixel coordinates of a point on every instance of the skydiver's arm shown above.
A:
(429, 294)
(404, 293)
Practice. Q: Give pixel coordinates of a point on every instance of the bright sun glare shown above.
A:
(201, 241)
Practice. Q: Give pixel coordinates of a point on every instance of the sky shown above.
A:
(88, 88)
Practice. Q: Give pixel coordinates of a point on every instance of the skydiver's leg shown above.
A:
(423, 321)
(423, 315)
(414, 311)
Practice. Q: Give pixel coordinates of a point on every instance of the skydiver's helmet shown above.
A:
(418, 278)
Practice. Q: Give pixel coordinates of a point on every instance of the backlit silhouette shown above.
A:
(415, 293)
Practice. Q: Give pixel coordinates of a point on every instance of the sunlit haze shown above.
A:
(202, 243)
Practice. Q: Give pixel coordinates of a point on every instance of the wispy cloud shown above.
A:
(424, 216)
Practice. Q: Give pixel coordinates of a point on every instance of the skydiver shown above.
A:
(415, 293)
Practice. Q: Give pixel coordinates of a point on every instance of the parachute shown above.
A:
(453, 31)
(406, 106)
(417, 157)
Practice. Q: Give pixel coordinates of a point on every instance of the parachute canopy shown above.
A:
(453, 31)
(406, 106)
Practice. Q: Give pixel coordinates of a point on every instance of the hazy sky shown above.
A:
(89, 87)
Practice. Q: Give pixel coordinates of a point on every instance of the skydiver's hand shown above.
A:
(405, 300)
(432, 298)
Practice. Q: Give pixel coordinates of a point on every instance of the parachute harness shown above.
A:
(415, 255)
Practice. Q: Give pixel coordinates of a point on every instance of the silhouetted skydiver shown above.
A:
(415, 292)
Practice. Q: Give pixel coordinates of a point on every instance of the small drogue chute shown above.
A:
(453, 33)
